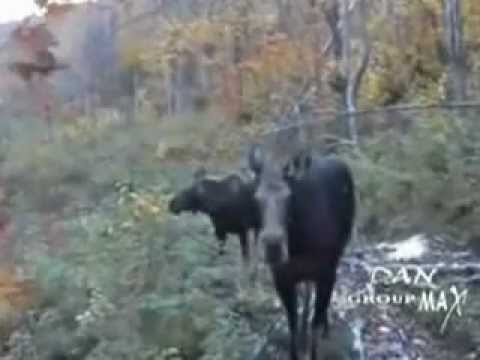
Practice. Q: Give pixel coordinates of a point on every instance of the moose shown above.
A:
(228, 202)
(306, 209)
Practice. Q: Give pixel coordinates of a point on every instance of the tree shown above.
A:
(455, 50)
(339, 16)
(34, 63)
(97, 52)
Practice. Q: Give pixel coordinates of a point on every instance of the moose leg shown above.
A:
(293, 272)
(253, 241)
(221, 247)
(245, 267)
(245, 254)
(304, 330)
(288, 296)
(222, 239)
(324, 288)
(244, 247)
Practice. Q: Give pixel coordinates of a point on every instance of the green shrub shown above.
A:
(424, 180)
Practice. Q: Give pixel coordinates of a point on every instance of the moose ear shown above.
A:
(303, 160)
(298, 165)
(200, 173)
(256, 159)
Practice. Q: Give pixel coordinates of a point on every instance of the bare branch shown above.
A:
(330, 10)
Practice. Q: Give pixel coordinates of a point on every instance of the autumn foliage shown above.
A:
(180, 86)
(16, 296)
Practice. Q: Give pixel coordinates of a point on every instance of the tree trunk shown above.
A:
(347, 80)
(454, 46)
(354, 78)
(284, 15)
(170, 80)
(349, 102)
(331, 10)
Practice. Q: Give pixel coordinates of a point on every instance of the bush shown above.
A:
(129, 280)
(424, 180)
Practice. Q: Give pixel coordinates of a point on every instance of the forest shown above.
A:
(109, 109)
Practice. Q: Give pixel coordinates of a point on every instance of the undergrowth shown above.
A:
(130, 280)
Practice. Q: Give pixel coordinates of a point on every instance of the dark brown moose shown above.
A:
(307, 209)
(229, 203)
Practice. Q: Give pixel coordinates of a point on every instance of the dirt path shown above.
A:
(377, 331)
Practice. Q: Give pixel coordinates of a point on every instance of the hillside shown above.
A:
(119, 105)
